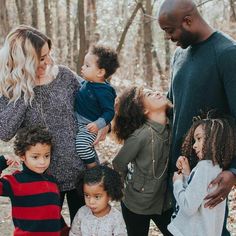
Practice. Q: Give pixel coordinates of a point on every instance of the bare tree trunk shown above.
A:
(61, 37)
(232, 11)
(157, 62)
(138, 49)
(35, 14)
(20, 5)
(75, 45)
(129, 22)
(82, 38)
(68, 31)
(91, 22)
(5, 27)
(48, 18)
(148, 42)
(167, 58)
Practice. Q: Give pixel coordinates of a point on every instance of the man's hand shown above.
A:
(225, 181)
(101, 134)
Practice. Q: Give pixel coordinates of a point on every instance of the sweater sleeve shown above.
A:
(228, 74)
(106, 99)
(119, 226)
(3, 164)
(11, 117)
(191, 198)
(76, 225)
(4, 185)
(127, 153)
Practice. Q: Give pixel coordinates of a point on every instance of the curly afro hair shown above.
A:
(219, 139)
(107, 59)
(105, 176)
(130, 114)
(27, 137)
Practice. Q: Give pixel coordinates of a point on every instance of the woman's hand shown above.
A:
(224, 181)
(183, 164)
(102, 134)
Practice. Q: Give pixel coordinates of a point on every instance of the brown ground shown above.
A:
(107, 150)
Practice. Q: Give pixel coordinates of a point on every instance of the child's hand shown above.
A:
(177, 176)
(183, 165)
(92, 127)
(12, 161)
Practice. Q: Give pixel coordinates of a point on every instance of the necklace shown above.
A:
(153, 155)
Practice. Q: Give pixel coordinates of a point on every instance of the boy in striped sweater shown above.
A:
(34, 194)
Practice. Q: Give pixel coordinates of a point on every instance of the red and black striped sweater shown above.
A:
(35, 200)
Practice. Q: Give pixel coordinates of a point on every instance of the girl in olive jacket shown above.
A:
(141, 122)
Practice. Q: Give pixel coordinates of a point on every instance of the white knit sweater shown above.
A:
(192, 218)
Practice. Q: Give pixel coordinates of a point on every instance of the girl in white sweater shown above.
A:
(212, 142)
(100, 185)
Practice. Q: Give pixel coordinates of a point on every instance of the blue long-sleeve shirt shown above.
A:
(95, 102)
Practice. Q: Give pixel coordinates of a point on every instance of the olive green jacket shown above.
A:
(145, 168)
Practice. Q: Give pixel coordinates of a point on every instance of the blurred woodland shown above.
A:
(129, 26)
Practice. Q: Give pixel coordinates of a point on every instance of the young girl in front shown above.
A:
(100, 185)
(141, 122)
(213, 143)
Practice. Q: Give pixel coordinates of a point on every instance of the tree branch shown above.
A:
(129, 22)
(202, 3)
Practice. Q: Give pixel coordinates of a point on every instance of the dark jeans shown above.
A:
(74, 200)
(138, 225)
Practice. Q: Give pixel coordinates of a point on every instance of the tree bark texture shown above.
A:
(148, 45)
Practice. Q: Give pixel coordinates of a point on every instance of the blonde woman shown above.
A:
(35, 91)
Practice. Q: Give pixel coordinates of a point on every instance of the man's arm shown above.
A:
(225, 182)
(226, 179)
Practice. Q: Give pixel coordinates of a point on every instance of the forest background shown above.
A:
(130, 27)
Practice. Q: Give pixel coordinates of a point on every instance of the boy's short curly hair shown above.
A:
(107, 59)
(105, 176)
(27, 137)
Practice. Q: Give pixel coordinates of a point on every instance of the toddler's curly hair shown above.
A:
(104, 176)
(27, 137)
(107, 59)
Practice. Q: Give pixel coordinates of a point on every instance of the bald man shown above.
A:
(203, 77)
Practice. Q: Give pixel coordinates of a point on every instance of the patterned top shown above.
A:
(86, 224)
(53, 107)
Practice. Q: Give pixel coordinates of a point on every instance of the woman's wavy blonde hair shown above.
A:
(20, 57)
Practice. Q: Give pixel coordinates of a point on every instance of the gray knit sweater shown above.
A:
(53, 107)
